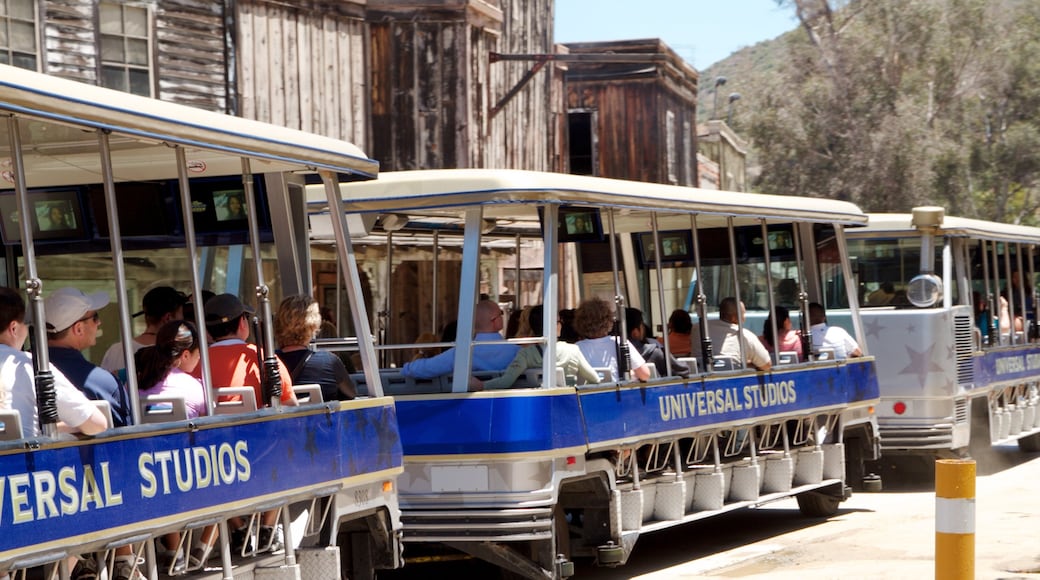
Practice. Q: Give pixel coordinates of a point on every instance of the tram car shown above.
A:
(556, 467)
(137, 184)
(949, 304)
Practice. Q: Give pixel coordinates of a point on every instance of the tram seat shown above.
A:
(106, 409)
(532, 378)
(242, 400)
(787, 357)
(308, 394)
(724, 363)
(606, 374)
(163, 408)
(825, 354)
(691, 363)
(10, 425)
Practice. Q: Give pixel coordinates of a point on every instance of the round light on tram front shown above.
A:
(899, 407)
(924, 290)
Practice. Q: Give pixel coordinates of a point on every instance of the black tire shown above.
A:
(1029, 443)
(814, 504)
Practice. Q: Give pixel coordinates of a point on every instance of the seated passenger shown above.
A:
(297, 323)
(233, 361)
(832, 337)
(724, 336)
(882, 296)
(76, 414)
(649, 348)
(567, 332)
(790, 341)
(160, 305)
(166, 369)
(679, 329)
(594, 320)
(568, 357)
(73, 325)
(487, 324)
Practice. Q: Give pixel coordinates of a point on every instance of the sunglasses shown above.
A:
(95, 317)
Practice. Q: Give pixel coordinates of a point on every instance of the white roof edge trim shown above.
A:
(451, 187)
(900, 224)
(63, 100)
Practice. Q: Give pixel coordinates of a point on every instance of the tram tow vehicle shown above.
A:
(941, 307)
(329, 467)
(532, 477)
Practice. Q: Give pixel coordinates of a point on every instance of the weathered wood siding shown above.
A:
(188, 46)
(303, 65)
(525, 133)
(646, 112)
(70, 40)
(190, 53)
(429, 82)
(433, 85)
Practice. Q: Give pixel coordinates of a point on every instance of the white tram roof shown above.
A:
(899, 224)
(503, 191)
(59, 152)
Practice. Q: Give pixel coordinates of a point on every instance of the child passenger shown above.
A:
(166, 369)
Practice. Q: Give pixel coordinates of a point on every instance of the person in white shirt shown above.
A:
(594, 320)
(832, 337)
(76, 414)
(726, 336)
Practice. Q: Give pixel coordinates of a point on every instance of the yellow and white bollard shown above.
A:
(955, 519)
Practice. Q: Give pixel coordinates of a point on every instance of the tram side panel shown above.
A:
(75, 498)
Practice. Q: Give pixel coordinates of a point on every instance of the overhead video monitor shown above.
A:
(580, 224)
(55, 214)
(220, 205)
(676, 246)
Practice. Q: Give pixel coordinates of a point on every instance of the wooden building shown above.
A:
(632, 112)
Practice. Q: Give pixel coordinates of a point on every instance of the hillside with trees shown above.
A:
(894, 103)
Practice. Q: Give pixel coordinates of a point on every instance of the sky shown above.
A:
(701, 31)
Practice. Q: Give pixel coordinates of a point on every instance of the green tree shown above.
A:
(897, 103)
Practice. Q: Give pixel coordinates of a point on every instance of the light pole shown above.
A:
(719, 81)
(733, 97)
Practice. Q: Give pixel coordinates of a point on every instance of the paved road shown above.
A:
(888, 535)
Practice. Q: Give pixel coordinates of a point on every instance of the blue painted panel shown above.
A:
(1017, 363)
(642, 411)
(464, 424)
(55, 493)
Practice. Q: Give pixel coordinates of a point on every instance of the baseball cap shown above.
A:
(224, 308)
(162, 300)
(66, 306)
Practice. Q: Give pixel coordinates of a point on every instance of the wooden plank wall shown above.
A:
(303, 65)
(190, 48)
(524, 134)
(69, 40)
(427, 91)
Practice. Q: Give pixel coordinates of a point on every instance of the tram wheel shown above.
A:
(815, 504)
(1029, 443)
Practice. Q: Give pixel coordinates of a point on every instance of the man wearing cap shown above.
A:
(161, 305)
(233, 362)
(18, 392)
(73, 325)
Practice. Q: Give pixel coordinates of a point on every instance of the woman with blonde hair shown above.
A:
(296, 324)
